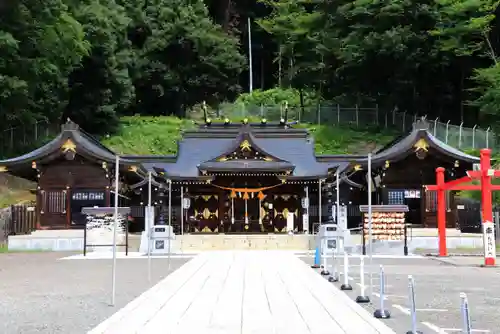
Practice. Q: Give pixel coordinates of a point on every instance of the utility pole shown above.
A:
(250, 60)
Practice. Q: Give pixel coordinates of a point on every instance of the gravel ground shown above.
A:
(42, 294)
(438, 285)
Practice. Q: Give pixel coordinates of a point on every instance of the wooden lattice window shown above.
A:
(431, 201)
(55, 201)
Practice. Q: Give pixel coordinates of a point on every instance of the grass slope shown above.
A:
(15, 190)
(158, 136)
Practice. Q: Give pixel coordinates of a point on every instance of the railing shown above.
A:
(454, 135)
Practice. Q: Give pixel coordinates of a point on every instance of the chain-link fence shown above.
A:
(24, 138)
(457, 136)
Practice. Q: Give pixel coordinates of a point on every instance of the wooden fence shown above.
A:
(20, 219)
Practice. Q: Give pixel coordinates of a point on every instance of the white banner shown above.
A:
(489, 240)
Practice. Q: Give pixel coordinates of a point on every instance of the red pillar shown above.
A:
(487, 209)
(441, 211)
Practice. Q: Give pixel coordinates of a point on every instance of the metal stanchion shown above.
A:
(465, 314)
(382, 313)
(346, 285)
(362, 298)
(324, 257)
(413, 307)
(334, 276)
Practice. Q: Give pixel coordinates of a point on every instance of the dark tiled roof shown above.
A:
(85, 144)
(246, 165)
(289, 145)
(405, 146)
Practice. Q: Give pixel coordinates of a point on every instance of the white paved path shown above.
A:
(252, 292)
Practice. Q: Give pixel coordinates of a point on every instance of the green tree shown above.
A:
(182, 58)
(101, 88)
(39, 46)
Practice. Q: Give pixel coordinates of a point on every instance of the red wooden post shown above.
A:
(441, 211)
(485, 163)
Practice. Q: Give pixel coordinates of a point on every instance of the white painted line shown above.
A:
(380, 256)
(401, 308)
(121, 255)
(446, 330)
(433, 327)
(407, 310)
(375, 285)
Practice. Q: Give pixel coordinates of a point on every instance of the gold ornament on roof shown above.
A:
(3, 169)
(132, 169)
(421, 144)
(68, 146)
(268, 159)
(245, 145)
(357, 167)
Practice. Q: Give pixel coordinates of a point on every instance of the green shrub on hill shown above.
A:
(138, 135)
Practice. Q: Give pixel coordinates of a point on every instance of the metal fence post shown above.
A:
(394, 115)
(487, 137)
(319, 113)
(474, 137)
(447, 127)
(334, 276)
(262, 111)
(382, 313)
(357, 116)
(435, 126)
(465, 314)
(404, 121)
(460, 135)
(413, 306)
(338, 114)
(324, 260)
(346, 286)
(11, 138)
(362, 298)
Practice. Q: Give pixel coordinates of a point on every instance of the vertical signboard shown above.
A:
(489, 243)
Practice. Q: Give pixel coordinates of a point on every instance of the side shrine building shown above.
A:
(237, 178)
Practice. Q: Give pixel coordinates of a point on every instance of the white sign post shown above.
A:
(489, 243)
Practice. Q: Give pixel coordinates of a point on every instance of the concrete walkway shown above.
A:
(252, 292)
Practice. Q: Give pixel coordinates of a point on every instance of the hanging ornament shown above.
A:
(233, 194)
(245, 196)
(261, 195)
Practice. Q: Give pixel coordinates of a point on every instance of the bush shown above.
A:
(277, 96)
